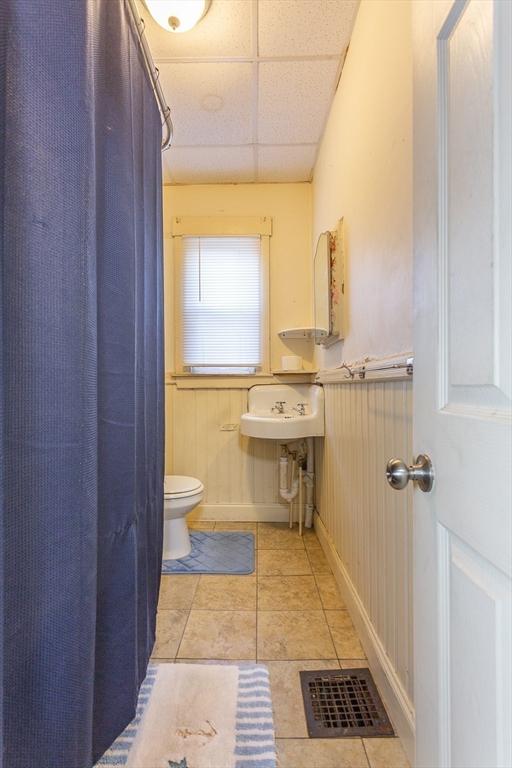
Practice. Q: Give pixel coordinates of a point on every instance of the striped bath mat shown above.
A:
(199, 716)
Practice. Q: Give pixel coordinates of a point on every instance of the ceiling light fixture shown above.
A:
(178, 15)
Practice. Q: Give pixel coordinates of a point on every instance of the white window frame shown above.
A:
(220, 226)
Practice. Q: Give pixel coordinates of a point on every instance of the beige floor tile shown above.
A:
(294, 635)
(287, 593)
(279, 536)
(287, 702)
(311, 541)
(344, 635)
(270, 526)
(177, 591)
(385, 753)
(283, 562)
(169, 630)
(233, 662)
(318, 560)
(321, 753)
(235, 526)
(201, 525)
(329, 593)
(226, 593)
(354, 663)
(219, 635)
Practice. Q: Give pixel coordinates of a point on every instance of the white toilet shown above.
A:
(181, 495)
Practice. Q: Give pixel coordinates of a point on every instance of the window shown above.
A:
(222, 300)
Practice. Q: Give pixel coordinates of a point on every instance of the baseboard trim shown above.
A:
(259, 513)
(399, 707)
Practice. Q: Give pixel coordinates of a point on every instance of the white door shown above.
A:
(462, 381)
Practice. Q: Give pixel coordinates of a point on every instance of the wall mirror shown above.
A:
(328, 286)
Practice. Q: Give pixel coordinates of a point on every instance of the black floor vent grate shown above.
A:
(343, 703)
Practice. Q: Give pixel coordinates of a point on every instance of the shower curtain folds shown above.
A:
(81, 378)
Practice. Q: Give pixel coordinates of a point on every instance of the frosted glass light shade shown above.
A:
(177, 15)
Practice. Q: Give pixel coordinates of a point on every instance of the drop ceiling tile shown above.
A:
(189, 87)
(209, 165)
(294, 99)
(167, 177)
(293, 163)
(312, 28)
(224, 31)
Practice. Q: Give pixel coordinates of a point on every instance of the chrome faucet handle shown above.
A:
(300, 408)
(279, 406)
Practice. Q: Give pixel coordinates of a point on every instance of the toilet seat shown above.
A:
(181, 486)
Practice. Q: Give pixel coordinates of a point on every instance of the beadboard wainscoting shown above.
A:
(240, 474)
(365, 527)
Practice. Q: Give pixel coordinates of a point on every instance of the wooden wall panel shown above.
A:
(235, 470)
(369, 524)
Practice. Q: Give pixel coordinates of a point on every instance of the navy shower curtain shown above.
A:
(81, 377)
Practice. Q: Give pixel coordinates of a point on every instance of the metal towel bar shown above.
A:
(361, 370)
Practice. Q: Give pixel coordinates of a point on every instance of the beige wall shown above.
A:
(240, 475)
(364, 173)
(291, 269)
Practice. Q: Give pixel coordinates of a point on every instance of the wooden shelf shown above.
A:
(294, 373)
(306, 334)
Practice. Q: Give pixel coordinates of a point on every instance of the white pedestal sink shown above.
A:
(284, 412)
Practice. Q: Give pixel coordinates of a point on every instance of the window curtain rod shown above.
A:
(153, 73)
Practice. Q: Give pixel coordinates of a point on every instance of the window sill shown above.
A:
(223, 381)
(186, 375)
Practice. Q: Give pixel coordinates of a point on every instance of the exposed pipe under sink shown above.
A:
(291, 481)
(294, 415)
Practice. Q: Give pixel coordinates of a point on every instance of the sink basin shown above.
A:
(263, 421)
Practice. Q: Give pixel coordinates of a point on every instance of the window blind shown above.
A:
(222, 302)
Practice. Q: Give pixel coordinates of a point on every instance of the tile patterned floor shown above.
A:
(289, 615)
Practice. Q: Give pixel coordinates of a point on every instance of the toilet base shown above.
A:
(177, 542)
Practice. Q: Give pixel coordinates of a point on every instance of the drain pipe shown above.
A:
(301, 476)
(309, 479)
(288, 493)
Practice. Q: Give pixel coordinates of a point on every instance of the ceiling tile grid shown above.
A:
(250, 87)
(297, 28)
(211, 103)
(293, 100)
(208, 165)
(286, 163)
(225, 32)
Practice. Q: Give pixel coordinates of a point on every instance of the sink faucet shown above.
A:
(279, 406)
(300, 408)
